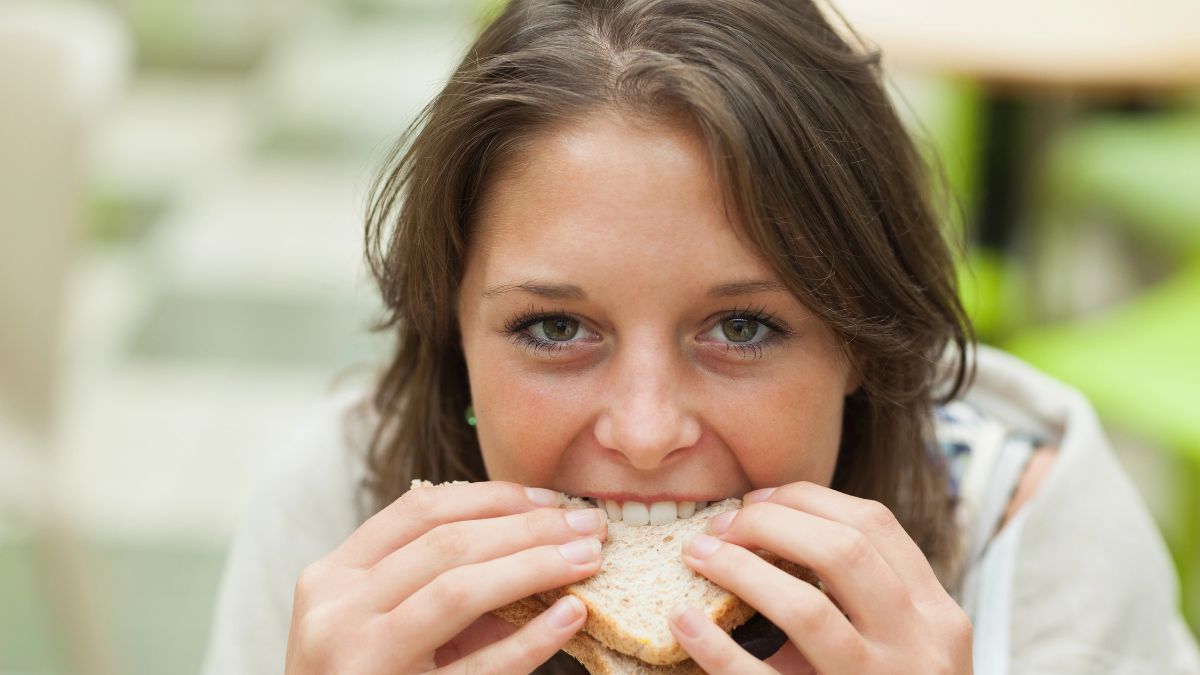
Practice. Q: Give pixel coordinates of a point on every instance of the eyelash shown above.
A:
(515, 328)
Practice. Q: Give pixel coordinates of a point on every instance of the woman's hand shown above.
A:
(898, 618)
(410, 590)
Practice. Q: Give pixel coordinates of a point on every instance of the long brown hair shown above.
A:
(812, 159)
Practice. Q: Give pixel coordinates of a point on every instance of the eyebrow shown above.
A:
(747, 287)
(572, 292)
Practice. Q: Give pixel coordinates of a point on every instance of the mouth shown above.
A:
(647, 512)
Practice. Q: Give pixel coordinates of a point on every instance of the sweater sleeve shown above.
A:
(303, 504)
(1109, 601)
(1079, 581)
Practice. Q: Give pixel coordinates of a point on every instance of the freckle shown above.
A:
(668, 539)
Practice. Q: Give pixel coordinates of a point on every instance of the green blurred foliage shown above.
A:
(29, 640)
(185, 34)
(114, 216)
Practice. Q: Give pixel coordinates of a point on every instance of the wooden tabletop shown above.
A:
(1101, 44)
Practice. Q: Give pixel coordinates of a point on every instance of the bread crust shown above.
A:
(594, 656)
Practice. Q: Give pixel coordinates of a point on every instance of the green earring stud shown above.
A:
(471, 415)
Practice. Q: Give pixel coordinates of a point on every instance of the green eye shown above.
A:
(560, 328)
(739, 330)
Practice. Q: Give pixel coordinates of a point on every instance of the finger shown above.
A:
(454, 544)
(810, 619)
(484, 631)
(709, 646)
(529, 647)
(421, 509)
(844, 558)
(452, 601)
(790, 661)
(872, 519)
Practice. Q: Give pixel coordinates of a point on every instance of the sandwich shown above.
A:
(641, 579)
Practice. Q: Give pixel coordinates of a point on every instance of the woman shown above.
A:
(674, 251)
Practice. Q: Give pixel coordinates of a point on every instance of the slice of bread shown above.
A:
(643, 576)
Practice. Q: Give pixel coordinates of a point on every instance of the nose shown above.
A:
(647, 417)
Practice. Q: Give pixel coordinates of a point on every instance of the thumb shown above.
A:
(483, 632)
(789, 660)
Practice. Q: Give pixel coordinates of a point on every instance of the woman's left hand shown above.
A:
(898, 618)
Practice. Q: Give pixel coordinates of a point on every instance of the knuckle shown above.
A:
(808, 617)
(512, 495)
(959, 625)
(798, 492)
(801, 487)
(723, 659)
(907, 605)
(851, 548)
(856, 650)
(753, 518)
(418, 502)
(525, 645)
(532, 527)
(545, 562)
(542, 524)
(310, 580)
(522, 642)
(874, 659)
(448, 543)
(448, 590)
(514, 491)
(390, 633)
(875, 517)
(319, 628)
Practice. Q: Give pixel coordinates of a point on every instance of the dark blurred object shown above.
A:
(760, 637)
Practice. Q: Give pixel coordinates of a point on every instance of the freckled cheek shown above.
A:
(788, 433)
(530, 421)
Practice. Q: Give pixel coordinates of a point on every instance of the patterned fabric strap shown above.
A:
(985, 459)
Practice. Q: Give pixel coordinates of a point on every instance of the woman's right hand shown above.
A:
(410, 590)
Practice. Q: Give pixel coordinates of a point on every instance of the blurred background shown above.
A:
(182, 185)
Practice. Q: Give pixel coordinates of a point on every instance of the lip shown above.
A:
(651, 498)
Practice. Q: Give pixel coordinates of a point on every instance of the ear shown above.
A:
(853, 380)
(853, 371)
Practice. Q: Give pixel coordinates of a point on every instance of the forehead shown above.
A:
(608, 196)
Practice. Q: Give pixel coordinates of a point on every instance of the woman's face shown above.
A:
(623, 342)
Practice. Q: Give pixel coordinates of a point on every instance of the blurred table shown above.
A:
(1075, 44)
(1024, 50)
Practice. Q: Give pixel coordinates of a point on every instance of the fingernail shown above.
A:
(758, 496)
(701, 545)
(542, 496)
(584, 521)
(719, 523)
(565, 612)
(689, 620)
(581, 550)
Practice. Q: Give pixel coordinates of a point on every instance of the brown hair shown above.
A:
(812, 159)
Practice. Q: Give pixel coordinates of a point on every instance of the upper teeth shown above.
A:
(657, 513)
